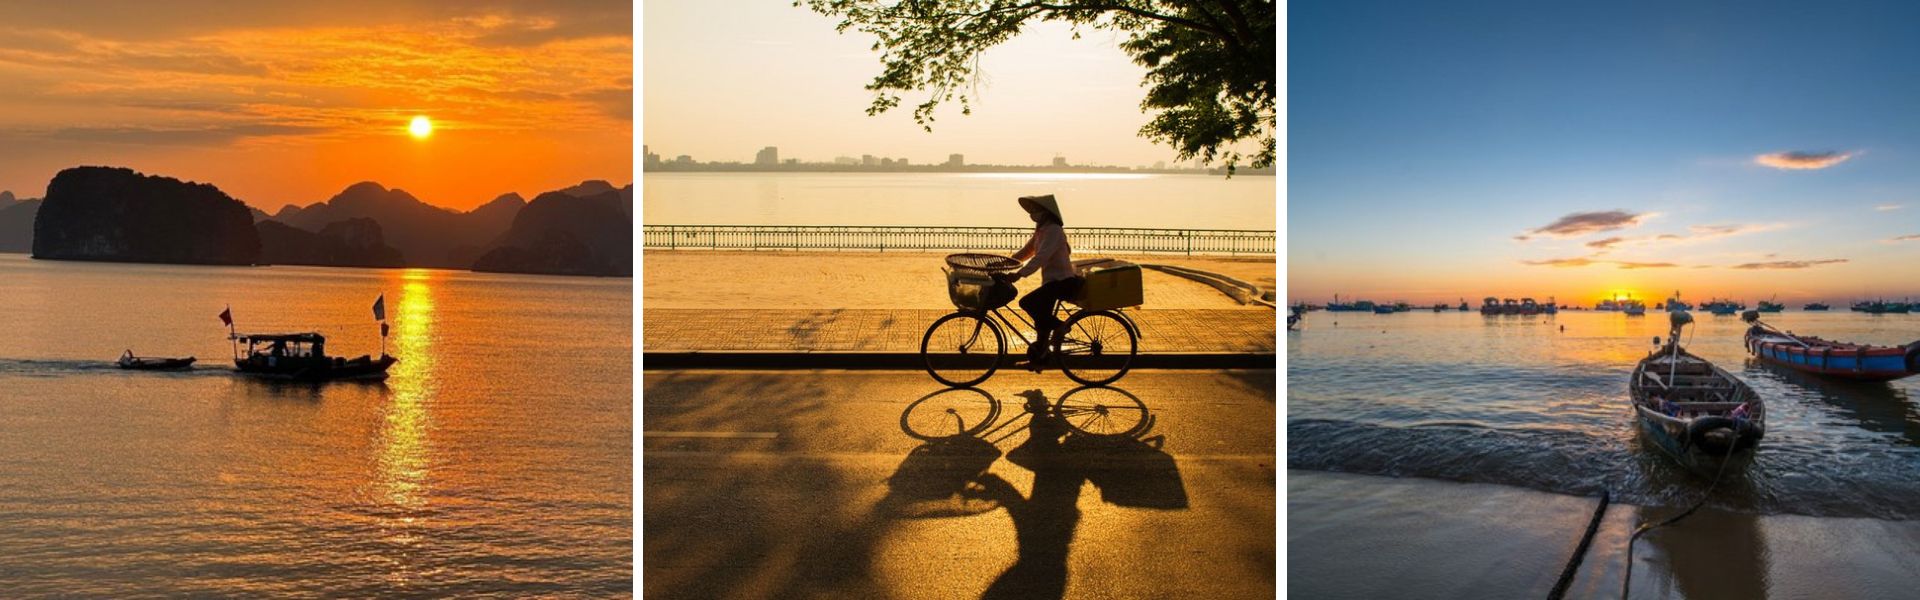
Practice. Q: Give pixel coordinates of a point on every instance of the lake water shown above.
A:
(497, 458)
(958, 199)
(1514, 400)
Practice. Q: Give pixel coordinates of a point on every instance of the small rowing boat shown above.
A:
(153, 363)
(1701, 415)
(1826, 357)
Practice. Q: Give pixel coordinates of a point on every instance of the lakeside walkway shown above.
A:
(812, 302)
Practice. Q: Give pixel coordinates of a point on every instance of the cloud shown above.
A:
(1578, 224)
(1644, 265)
(1887, 207)
(1800, 161)
(1789, 264)
(1707, 232)
(148, 20)
(1905, 238)
(202, 136)
(1697, 233)
(613, 102)
(1582, 261)
(1606, 244)
(260, 77)
(1561, 262)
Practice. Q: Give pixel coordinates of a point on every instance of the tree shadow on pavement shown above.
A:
(769, 522)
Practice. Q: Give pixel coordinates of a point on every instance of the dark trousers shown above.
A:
(1039, 305)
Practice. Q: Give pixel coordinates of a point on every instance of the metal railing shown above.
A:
(848, 237)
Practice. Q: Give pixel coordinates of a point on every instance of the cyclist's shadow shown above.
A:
(1091, 436)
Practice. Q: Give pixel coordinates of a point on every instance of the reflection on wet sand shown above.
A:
(1721, 555)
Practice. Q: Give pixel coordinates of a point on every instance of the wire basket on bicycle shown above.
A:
(970, 283)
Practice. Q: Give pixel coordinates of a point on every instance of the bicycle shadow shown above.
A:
(1090, 435)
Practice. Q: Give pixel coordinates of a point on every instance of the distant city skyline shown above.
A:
(773, 156)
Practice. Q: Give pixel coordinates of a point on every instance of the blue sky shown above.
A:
(1423, 138)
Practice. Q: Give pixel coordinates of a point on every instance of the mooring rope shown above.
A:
(1627, 583)
(1579, 552)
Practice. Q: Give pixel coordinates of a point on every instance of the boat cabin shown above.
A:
(283, 345)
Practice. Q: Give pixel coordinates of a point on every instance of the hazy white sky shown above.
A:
(724, 79)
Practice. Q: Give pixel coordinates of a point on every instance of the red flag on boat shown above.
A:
(226, 316)
(380, 308)
(383, 329)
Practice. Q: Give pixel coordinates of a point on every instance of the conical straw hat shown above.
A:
(1045, 203)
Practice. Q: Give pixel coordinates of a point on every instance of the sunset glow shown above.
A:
(291, 105)
(1573, 167)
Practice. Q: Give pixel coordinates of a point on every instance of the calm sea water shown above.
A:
(1514, 400)
(957, 199)
(496, 460)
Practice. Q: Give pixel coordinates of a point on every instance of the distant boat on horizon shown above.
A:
(1633, 308)
(1675, 305)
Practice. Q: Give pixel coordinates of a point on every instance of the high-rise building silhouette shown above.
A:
(768, 156)
(955, 160)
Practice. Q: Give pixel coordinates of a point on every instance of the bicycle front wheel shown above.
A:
(1096, 347)
(962, 349)
(1103, 413)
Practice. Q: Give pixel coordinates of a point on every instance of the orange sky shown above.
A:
(283, 104)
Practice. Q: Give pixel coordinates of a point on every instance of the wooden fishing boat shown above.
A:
(1830, 358)
(1633, 308)
(1491, 306)
(1698, 413)
(153, 363)
(303, 357)
(1815, 306)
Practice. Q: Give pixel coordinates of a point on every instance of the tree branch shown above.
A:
(1145, 14)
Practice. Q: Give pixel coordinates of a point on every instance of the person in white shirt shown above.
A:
(1049, 253)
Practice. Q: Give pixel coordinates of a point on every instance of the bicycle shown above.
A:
(1093, 347)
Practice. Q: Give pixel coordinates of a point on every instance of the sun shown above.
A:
(420, 127)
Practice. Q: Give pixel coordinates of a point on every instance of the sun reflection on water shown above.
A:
(404, 445)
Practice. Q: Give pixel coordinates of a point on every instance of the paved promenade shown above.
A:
(707, 301)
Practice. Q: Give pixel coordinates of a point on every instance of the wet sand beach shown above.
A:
(1360, 536)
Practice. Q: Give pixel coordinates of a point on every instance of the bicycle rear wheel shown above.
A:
(962, 349)
(949, 414)
(1095, 347)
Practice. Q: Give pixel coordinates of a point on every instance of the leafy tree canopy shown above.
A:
(1210, 63)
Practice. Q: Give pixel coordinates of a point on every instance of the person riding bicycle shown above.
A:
(1049, 253)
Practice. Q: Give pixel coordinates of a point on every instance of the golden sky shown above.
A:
(280, 103)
